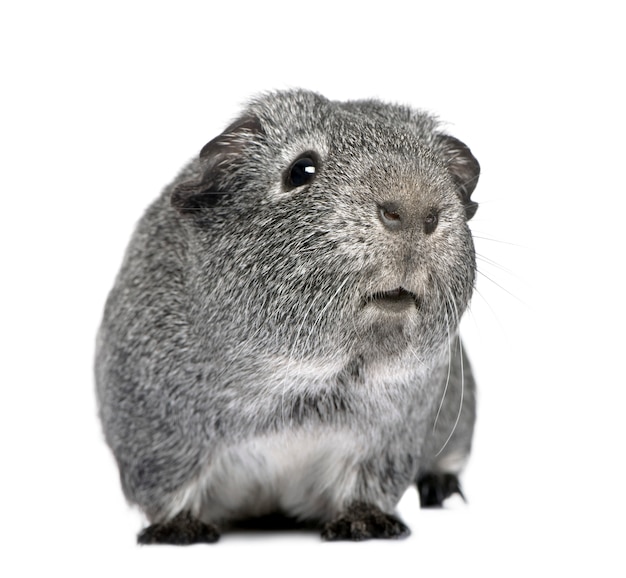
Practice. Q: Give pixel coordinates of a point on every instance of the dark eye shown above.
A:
(431, 221)
(302, 171)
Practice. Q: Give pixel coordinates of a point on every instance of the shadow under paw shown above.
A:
(182, 530)
(364, 522)
(435, 488)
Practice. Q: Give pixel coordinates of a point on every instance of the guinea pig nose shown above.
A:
(391, 216)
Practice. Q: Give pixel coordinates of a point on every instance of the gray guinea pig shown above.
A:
(282, 337)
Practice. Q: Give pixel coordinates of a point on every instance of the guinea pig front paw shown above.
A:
(182, 530)
(435, 488)
(363, 522)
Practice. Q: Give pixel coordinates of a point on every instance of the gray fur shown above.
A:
(240, 368)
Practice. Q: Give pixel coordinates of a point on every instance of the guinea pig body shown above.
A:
(282, 335)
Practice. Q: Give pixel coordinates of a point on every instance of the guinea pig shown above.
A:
(282, 337)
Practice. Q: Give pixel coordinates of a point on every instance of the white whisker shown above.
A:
(445, 389)
(493, 263)
(498, 285)
(458, 415)
(483, 238)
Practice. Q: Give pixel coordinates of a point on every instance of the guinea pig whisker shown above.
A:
(498, 285)
(458, 415)
(483, 238)
(493, 263)
(445, 389)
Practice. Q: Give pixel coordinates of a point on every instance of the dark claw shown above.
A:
(364, 522)
(435, 488)
(181, 531)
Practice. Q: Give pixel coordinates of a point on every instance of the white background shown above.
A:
(102, 103)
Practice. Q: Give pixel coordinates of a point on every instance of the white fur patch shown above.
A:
(305, 474)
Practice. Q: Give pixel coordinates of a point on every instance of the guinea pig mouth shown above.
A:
(395, 300)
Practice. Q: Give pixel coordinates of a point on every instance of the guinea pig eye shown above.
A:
(302, 171)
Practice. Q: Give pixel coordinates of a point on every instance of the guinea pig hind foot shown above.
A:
(181, 530)
(434, 489)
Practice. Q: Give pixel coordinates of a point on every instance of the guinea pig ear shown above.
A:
(216, 159)
(464, 169)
